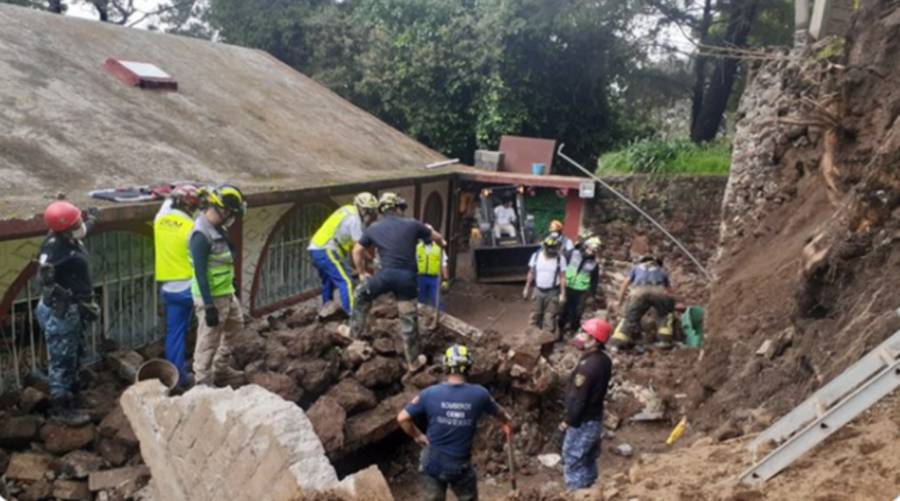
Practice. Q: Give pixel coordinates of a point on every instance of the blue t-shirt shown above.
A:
(453, 411)
(648, 274)
(396, 239)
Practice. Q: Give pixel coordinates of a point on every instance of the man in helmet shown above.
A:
(547, 271)
(431, 262)
(172, 228)
(331, 244)
(582, 279)
(452, 410)
(219, 316)
(585, 393)
(566, 245)
(66, 305)
(648, 287)
(395, 238)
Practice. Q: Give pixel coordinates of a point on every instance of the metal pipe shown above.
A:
(443, 163)
(30, 323)
(638, 209)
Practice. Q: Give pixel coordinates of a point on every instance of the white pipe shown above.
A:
(442, 163)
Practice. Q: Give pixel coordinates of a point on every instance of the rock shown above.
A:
(312, 342)
(385, 346)
(549, 460)
(126, 363)
(248, 348)
(728, 430)
(303, 316)
(328, 417)
(525, 356)
(541, 379)
(114, 479)
(276, 356)
(33, 400)
(368, 484)
(358, 352)
(4, 461)
(624, 450)
(375, 424)
(115, 451)
(280, 384)
(29, 466)
(332, 310)
(765, 347)
(59, 438)
(352, 396)
(314, 376)
(18, 432)
(153, 350)
(634, 474)
(611, 421)
(37, 491)
(115, 425)
(379, 371)
(425, 379)
(71, 490)
(385, 327)
(80, 464)
(384, 310)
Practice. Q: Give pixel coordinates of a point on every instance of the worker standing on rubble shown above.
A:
(452, 410)
(586, 391)
(219, 315)
(172, 229)
(395, 238)
(648, 287)
(66, 305)
(547, 271)
(565, 244)
(582, 279)
(431, 261)
(505, 220)
(330, 246)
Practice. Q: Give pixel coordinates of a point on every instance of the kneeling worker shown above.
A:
(649, 288)
(452, 410)
(586, 391)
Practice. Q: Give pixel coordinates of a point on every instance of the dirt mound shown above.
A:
(810, 248)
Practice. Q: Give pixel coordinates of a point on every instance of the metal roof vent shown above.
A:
(143, 75)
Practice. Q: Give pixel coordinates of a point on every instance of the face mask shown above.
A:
(80, 232)
(583, 342)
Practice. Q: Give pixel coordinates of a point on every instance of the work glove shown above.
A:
(212, 315)
(526, 292)
(445, 285)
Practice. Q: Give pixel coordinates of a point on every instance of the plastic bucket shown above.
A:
(160, 369)
(692, 325)
(537, 169)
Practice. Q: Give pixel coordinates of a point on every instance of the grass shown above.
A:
(659, 157)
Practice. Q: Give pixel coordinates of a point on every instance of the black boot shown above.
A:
(63, 410)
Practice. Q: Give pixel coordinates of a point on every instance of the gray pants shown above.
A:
(546, 308)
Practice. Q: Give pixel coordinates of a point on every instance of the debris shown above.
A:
(764, 348)
(71, 490)
(115, 425)
(59, 438)
(115, 450)
(549, 460)
(79, 464)
(314, 376)
(29, 466)
(624, 450)
(18, 432)
(4, 462)
(328, 417)
(126, 363)
(352, 396)
(113, 479)
(358, 352)
(611, 421)
(280, 384)
(677, 431)
(374, 424)
(379, 371)
(38, 490)
(33, 400)
(332, 310)
(385, 346)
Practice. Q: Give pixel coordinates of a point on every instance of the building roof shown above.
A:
(495, 177)
(239, 115)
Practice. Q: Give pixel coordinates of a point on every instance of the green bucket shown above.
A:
(692, 325)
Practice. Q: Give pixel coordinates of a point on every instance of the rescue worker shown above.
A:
(648, 287)
(582, 279)
(218, 310)
(431, 261)
(66, 305)
(585, 393)
(395, 238)
(505, 220)
(567, 246)
(547, 271)
(452, 410)
(172, 229)
(330, 246)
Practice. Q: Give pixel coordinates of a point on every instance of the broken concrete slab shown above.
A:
(117, 478)
(80, 464)
(328, 417)
(18, 432)
(29, 466)
(59, 438)
(457, 326)
(126, 363)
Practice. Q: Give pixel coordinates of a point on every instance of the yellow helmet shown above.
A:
(592, 243)
(365, 201)
(389, 201)
(226, 197)
(458, 359)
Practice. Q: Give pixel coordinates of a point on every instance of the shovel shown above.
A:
(511, 460)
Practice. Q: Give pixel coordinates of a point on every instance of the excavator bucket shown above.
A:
(503, 264)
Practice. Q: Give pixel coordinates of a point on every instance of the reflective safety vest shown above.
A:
(171, 234)
(328, 231)
(578, 274)
(221, 261)
(428, 260)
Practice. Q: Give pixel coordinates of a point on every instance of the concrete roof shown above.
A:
(241, 116)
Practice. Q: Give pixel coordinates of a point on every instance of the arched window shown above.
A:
(434, 210)
(285, 269)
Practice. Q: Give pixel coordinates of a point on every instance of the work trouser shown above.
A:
(403, 284)
(64, 347)
(546, 307)
(580, 451)
(570, 316)
(212, 353)
(429, 288)
(637, 307)
(501, 229)
(439, 472)
(334, 272)
(179, 307)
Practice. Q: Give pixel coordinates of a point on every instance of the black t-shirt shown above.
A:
(396, 239)
(587, 388)
(69, 259)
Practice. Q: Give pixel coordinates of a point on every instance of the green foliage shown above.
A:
(832, 51)
(545, 206)
(660, 157)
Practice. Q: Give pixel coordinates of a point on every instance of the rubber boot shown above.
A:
(63, 410)
(620, 340)
(664, 332)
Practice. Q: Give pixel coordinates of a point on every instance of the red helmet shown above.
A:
(62, 216)
(598, 329)
(187, 194)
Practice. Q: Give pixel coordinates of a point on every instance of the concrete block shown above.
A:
(29, 466)
(369, 484)
(80, 464)
(113, 479)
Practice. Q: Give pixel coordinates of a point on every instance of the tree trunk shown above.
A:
(740, 22)
(700, 64)
(55, 6)
(102, 7)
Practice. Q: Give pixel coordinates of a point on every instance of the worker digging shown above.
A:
(647, 287)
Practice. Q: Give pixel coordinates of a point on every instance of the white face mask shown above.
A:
(80, 232)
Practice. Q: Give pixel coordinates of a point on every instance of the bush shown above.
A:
(667, 157)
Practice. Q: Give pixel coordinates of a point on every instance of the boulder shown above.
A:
(352, 396)
(358, 352)
(18, 432)
(302, 316)
(33, 400)
(385, 345)
(59, 438)
(426, 378)
(71, 490)
(115, 451)
(384, 327)
(328, 417)
(314, 376)
(375, 424)
(387, 309)
(276, 356)
(280, 384)
(249, 347)
(80, 464)
(115, 425)
(29, 466)
(310, 342)
(126, 363)
(380, 371)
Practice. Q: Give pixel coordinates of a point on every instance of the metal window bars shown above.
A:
(286, 269)
(122, 268)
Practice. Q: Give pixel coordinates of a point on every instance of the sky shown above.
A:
(87, 11)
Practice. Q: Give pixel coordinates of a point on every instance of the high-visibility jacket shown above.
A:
(428, 259)
(579, 272)
(328, 231)
(221, 261)
(171, 234)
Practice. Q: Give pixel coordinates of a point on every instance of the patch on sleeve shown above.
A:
(579, 380)
(415, 401)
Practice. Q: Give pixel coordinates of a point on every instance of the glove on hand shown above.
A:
(212, 315)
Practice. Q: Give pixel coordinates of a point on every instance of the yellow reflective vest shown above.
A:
(428, 260)
(328, 230)
(171, 234)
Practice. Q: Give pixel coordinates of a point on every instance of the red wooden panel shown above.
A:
(520, 152)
